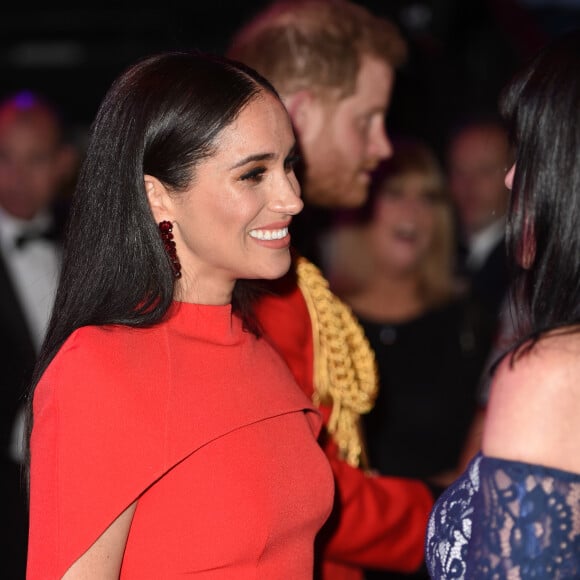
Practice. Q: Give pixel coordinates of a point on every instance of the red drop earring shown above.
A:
(166, 229)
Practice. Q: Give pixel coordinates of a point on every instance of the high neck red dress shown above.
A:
(202, 424)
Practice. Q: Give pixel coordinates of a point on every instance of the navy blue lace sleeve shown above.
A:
(506, 520)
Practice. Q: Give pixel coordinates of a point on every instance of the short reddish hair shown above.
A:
(315, 44)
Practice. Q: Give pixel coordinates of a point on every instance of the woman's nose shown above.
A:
(287, 197)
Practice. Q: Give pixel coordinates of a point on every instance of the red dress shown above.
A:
(377, 522)
(200, 422)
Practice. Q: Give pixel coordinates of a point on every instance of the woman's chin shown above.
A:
(401, 264)
(276, 270)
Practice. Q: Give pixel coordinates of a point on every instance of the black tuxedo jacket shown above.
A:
(17, 359)
(17, 352)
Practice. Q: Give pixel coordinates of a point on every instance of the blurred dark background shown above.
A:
(461, 51)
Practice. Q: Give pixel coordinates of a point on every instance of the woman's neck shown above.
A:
(393, 299)
(211, 292)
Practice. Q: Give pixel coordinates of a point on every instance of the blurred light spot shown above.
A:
(49, 54)
(24, 100)
(416, 16)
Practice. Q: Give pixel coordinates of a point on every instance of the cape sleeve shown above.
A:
(377, 521)
(90, 456)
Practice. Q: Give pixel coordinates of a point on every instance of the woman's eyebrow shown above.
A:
(252, 158)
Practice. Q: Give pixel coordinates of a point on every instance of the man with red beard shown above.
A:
(333, 63)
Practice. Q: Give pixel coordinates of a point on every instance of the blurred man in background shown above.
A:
(478, 157)
(35, 164)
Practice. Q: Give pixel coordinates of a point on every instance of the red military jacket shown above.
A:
(377, 521)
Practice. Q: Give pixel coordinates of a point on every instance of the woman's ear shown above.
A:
(158, 198)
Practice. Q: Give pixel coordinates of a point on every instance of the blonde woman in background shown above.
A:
(430, 340)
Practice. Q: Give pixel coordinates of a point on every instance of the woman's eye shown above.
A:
(255, 174)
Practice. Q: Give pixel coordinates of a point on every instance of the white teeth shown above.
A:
(269, 234)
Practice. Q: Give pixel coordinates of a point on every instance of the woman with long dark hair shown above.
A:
(515, 513)
(167, 438)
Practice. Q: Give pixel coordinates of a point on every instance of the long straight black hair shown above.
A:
(160, 117)
(542, 108)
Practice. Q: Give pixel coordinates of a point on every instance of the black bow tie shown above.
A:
(29, 236)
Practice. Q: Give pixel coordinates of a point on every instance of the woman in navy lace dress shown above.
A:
(515, 513)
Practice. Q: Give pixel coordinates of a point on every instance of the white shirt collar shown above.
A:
(11, 227)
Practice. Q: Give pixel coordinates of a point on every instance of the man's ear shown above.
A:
(306, 111)
(158, 198)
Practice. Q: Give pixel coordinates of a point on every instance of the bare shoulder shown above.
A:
(534, 405)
